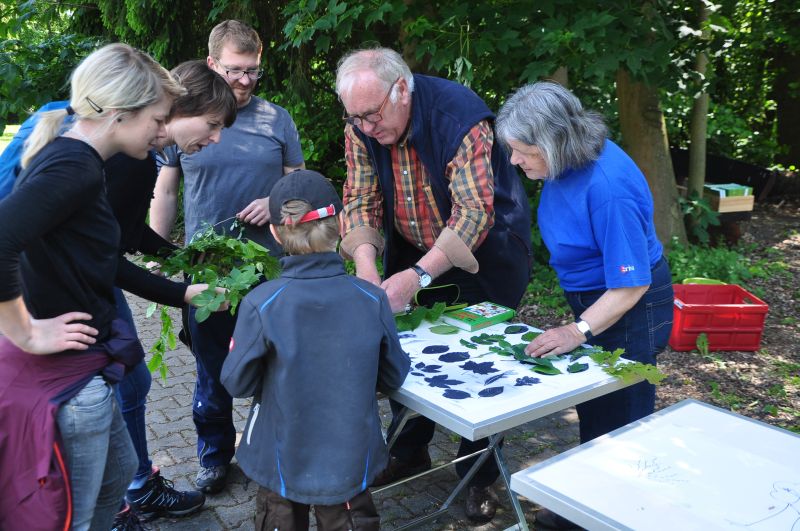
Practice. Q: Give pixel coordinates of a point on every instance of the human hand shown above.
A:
(256, 213)
(400, 288)
(195, 289)
(50, 336)
(555, 341)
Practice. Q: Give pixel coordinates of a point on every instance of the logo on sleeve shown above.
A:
(626, 268)
(231, 345)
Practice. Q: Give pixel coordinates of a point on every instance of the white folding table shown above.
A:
(441, 375)
(689, 466)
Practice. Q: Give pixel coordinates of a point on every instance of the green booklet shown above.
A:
(478, 316)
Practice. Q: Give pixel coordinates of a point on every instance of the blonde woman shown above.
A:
(63, 348)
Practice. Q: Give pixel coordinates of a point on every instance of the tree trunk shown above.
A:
(561, 76)
(699, 123)
(786, 94)
(644, 134)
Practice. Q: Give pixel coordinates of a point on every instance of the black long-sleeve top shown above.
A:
(59, 240)
(130, 189)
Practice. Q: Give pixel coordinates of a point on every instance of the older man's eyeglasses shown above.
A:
(234, 73)
(372, 117)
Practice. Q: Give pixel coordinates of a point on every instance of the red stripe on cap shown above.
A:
(319, 213)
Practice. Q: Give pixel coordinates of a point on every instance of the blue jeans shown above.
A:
(643, 332)
(132, 395)
(99, 454)
(212, 410)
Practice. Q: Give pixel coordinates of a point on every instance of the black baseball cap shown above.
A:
(306, 185)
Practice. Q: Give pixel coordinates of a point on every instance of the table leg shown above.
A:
(405, 415)
(484, 455)
(522, 525)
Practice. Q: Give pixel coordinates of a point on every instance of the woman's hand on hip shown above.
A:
(555, 341)
(50, 336)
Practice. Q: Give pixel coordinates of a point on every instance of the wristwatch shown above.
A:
(424, 278)
(585, 329)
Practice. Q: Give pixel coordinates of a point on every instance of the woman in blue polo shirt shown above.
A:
(596, 219)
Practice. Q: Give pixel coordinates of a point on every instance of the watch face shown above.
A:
(425, 280)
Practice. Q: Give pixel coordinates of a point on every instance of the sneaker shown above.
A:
(212, 479)
(157, 497)
(128, 520)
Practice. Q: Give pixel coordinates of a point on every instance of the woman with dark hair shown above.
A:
(195, 120)
(596, 219)
(62, 349)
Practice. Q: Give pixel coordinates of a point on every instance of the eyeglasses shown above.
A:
(234, 74)
(372, 117)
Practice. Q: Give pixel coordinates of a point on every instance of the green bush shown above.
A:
(733, 266)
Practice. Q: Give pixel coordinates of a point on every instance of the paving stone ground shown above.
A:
(172, 443)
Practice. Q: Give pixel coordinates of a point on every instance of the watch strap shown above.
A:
(585, 329)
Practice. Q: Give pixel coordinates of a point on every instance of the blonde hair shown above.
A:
(243, 38)
(317, 236)
(114, 79)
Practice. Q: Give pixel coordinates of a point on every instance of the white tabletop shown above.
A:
(479, 416)
(689, 466)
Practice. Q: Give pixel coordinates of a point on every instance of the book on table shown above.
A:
(478, 316)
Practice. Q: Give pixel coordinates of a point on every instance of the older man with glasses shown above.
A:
(429, 189)
(232, 179)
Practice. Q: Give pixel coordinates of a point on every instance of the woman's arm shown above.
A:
(44, 336)
(600, 316)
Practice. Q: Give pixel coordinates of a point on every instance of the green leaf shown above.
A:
(530, 336)
(467, 344)
(151, 310)
(577, 367)
(544, 369)
(444, 329)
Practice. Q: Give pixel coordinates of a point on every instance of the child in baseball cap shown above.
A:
(313, 436)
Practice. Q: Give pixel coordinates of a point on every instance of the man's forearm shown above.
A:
(163, 211)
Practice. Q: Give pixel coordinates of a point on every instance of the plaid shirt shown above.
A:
(417, 217)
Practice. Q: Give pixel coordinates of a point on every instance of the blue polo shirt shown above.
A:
(597, 223)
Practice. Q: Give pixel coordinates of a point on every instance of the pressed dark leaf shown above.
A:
(455, 394)
(435, 349)
(485, 367)
(490, 391)
(452, 357)
(527, 380)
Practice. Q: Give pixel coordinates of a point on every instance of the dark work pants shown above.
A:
(643, 332)
(274, 512)
(213, 406)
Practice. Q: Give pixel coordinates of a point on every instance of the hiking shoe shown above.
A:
(128, 520)
(157, 497)
(212, 479)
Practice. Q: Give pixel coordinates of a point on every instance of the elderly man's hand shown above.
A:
(400, 287)
(555, 341)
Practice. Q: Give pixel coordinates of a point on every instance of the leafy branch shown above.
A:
(628, 372)
(233, 264)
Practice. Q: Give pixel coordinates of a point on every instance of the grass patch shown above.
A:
(8, 134)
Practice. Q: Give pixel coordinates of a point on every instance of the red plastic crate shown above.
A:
(731, 317)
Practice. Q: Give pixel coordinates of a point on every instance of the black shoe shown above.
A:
(128, 520)
(480, 505)
(157, 498)
(212, 479)
(547, 519)
(397, 469)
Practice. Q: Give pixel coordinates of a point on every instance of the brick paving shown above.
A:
(172, 443)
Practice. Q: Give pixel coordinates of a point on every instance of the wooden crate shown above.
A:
(740, 203)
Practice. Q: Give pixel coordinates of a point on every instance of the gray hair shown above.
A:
(550, 117)
(385, 63)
